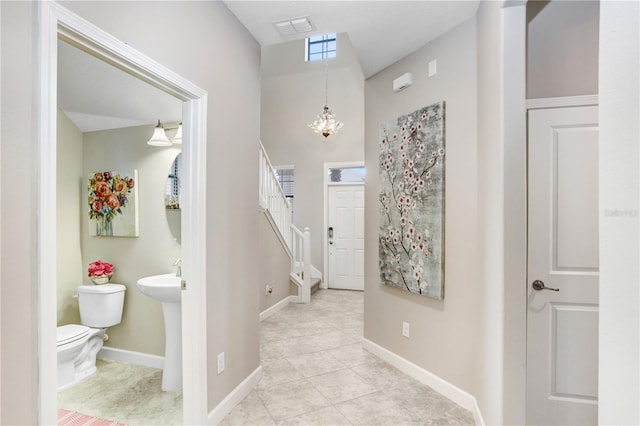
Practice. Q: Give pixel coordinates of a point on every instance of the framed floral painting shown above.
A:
(113, 204)
(412, 186)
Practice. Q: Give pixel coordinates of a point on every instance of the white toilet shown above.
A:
(100, 307)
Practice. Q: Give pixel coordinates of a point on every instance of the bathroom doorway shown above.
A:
(57, 23)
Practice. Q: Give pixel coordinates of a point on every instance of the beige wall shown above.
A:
(227, 66)
(292, 96)
(562, 48)
(18, 248)
(444, 334)
(274, 264)
(153, 252)
(71, 194)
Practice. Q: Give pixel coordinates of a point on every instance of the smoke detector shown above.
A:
(294, 26)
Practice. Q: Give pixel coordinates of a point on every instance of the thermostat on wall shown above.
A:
(402, 82)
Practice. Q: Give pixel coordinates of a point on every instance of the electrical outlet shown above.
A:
(406, 329)
(268, 290)
(220, 362)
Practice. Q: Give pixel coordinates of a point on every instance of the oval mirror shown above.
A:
(172, 198)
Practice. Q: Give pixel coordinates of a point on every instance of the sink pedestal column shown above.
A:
(172, 371)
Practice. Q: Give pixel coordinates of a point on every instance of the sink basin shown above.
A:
(163, 288)
(166, 289)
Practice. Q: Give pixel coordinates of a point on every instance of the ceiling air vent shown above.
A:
(294, 26)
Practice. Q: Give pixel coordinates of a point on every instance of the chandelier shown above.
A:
(326, 123)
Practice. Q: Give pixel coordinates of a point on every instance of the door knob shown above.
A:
(539, 286)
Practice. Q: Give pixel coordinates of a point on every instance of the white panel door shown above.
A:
(346, 247)
(562, 325)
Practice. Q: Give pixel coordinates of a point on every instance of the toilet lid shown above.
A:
(101, 289)
(70, 333)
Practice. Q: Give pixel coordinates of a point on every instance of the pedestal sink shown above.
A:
(166, 289)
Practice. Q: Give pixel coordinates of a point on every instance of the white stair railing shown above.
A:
(273, 200)
(301, 261)
(272, 197)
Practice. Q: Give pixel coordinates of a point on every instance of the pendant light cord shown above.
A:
(326, 82)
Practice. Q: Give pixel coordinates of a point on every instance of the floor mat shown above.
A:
(72, 418)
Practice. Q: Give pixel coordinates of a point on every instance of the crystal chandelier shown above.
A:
(326, 123)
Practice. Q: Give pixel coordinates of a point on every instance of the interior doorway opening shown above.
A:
(57, 22)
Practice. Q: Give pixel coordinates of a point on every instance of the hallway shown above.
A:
(315, 372)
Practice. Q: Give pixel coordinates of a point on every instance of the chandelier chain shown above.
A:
(326, 82)
(326, 123)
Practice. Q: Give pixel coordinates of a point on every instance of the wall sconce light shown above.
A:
(159, 137)
(177, 139)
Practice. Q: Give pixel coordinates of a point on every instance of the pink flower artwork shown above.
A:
(412, 184)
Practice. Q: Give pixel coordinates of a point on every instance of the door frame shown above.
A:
(55, 21)
(325, 242)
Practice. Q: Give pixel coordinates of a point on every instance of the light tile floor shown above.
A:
(315, 372)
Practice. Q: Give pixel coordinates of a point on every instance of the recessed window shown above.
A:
(320, 47)
(346, 175)
(285, 176)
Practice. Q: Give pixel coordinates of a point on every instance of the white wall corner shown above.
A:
(454, 393)
(235, 397)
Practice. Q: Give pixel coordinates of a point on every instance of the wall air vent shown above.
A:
(402, 82)
(294, 26)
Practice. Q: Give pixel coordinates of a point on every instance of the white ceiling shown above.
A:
(382, 32)
(98, 96)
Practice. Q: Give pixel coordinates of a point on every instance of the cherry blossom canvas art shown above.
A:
(412, 188)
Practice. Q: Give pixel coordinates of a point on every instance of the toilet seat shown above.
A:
(70, 333)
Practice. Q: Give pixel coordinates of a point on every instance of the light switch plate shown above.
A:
(433, 68)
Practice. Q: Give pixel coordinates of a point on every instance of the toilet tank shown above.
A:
(101, 305)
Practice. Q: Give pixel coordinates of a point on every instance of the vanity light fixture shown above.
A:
(177, 139)
(159, 138)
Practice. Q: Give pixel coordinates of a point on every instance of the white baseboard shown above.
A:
(132, 357)
(234, 398)
(441, 386)
(278, 306)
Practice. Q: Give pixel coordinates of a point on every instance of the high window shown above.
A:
(285, 176)
(320, 47)
(346, 175)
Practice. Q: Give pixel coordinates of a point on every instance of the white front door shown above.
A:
(346, 236)
(562, 317)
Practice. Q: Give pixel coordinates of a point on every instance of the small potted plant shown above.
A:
(100, 272)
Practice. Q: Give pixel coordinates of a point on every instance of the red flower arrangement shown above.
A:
(100, 268)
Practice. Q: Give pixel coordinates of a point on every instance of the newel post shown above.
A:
(306, 292)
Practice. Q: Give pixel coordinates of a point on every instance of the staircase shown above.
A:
(278, 210)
